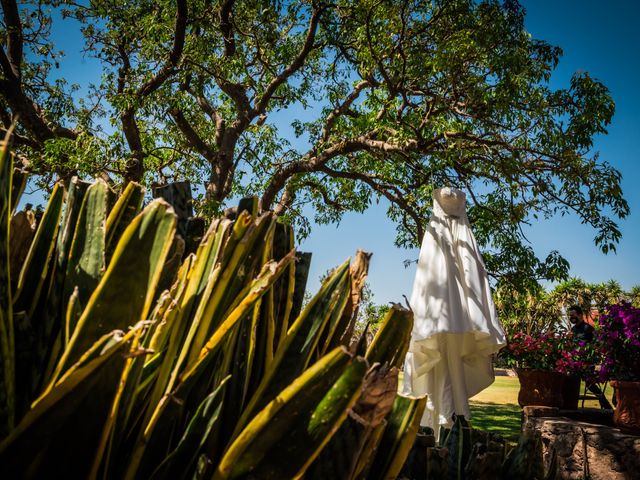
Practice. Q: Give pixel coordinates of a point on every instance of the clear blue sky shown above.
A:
(598, 37)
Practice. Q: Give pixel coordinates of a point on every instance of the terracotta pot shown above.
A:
(570, 392)
(540, 387)
(626, 415)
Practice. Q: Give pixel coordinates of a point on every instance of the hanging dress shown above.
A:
(455, 329)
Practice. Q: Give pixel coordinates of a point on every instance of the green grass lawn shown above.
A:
(496, 408)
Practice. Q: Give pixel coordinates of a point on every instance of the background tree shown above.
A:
(537, 311)
(387, 99)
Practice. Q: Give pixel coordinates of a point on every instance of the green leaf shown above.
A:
(85, 265)
(124, 294)
(398, 437)
(284, 438)
(58, 436)
(7, 355)
(36, 265)
(181, 461)
(392, 338)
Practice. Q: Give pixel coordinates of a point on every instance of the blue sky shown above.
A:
(598, 37)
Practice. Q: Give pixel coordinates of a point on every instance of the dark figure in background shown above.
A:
(582, 331)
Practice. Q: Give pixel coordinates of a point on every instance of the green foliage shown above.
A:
(536, 311)
(387, 100)
(218, 376)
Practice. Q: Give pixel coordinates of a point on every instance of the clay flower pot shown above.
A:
(540, 387)
(626, 415)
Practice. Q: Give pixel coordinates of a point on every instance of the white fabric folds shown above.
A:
(455, 329)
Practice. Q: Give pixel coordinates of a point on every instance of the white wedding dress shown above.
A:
(455, 328)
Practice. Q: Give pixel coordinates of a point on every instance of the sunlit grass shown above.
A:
(496, 408)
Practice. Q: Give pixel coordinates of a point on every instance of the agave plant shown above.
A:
(465, 453)
(107, 374)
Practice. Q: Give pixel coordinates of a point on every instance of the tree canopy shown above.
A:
(334, 105)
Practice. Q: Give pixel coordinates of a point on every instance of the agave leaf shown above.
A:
(218, 239)
(170, 406)
(7, 372)
(525, 460)
(284, 438)
(345, 455)
(59, 436)
(75, 197)
(233, 278)
(85, 265)
(240, 355)
(296, 351)
(303, 264)
(131, 367)
(124, 294)
(36, 265)
(18, 184)
(181, 461)
(392, 339)
(459, 444)
(343, 332)
(283, 290)
(125, 209)
(33, 328)
(398, 437)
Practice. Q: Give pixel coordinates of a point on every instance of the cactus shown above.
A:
(149, 365)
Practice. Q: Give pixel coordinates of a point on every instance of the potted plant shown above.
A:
(618, 336)
(534, 359)
(577, 361)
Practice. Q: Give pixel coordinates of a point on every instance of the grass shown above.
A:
(496, 408)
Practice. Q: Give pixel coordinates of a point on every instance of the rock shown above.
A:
(585, 450)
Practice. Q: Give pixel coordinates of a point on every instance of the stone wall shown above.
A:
(584, 450)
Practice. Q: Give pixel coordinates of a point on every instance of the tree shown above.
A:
(388, 99)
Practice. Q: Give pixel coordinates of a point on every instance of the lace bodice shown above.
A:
(449, 201)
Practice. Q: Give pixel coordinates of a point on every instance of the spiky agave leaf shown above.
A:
(7, 372)
(124, 294)
(57, 437)
(284, 438)
(173, 404)
(296, 351)
(397, 438)
(391, 342)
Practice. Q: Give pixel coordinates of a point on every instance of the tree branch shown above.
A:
(226, 27)
(295, 65)
(176, 52)
(383, 189)
(14, 36)
(192, 137)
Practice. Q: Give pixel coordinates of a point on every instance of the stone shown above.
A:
(585, 450)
